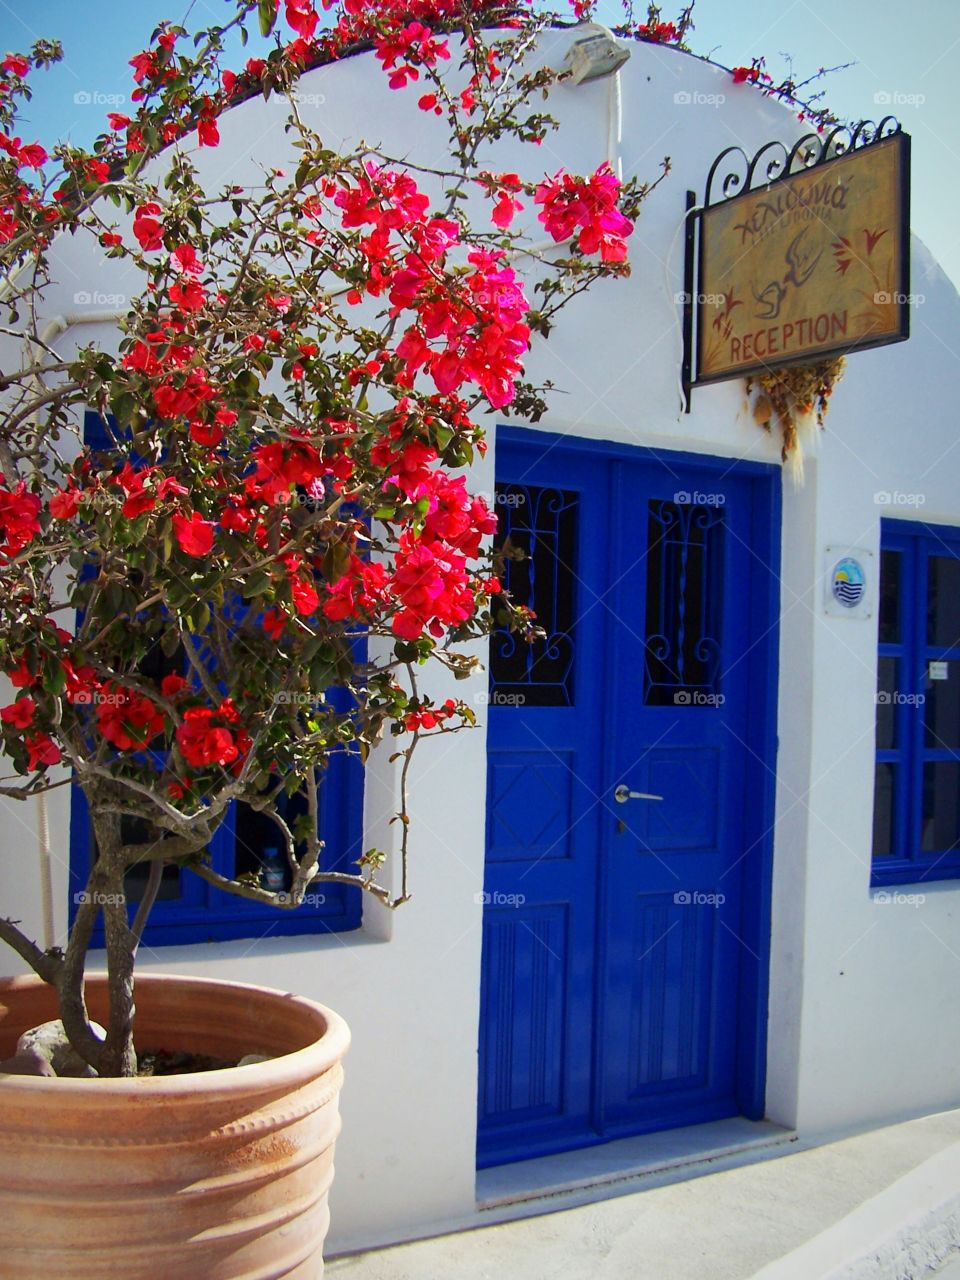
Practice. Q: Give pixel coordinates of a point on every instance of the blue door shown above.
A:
(623, 983)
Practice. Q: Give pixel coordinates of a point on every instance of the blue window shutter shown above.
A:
(917, 780)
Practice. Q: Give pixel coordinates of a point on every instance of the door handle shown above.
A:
(623, 793)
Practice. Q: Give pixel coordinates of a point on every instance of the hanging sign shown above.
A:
(809, 266)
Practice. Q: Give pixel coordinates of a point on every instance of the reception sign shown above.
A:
(808, 266)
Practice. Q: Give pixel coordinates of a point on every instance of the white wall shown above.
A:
(865, 998)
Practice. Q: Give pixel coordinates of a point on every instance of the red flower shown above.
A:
(82, 683)
(208, 135)
(32, 156)
(19, 520)
(97, 171)
(359, 591)
(147, 227)
(274, 623)
(188, 296)
(171, 685)
(41, 752)
(304, 595)
(21, 677)
(126, 718)
(302, 17)
(63, 505)
(429, 103)
(19, 714)
(504, 210)
(184, 258)
(281, 466)
(590, 204)
(117, 121)
(195, 535)
(658, 32)
(15, 65)
(110, 239)
(139, 499)
(206, 433)
(202, 743)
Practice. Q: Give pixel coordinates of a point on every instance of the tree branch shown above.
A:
(45, 964)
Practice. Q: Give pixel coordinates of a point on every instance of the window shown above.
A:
(190, 910)
(916, 812)
(537, 532)
(682, 650)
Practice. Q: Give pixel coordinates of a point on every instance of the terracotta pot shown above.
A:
(213, 1176)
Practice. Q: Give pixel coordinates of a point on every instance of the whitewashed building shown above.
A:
(761, 941)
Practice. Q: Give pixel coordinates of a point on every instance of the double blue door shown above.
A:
(624, 927)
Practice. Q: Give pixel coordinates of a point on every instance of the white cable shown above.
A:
(615, 124)
(681, 225)
(46, 877)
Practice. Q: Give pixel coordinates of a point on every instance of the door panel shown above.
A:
(612, 953)
(667, 1011)
(543, 820)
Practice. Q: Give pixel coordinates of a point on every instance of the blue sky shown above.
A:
(911, 53)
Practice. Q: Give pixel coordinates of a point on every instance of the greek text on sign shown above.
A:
(807, 266)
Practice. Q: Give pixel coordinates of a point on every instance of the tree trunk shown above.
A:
(118, 1056)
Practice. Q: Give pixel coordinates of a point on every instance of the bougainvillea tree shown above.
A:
(279, 510)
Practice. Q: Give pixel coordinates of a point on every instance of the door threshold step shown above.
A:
(624, 1161)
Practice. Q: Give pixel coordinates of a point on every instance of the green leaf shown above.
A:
(246, 385)
(406, 651)
(54, 679)
(267, 12)
(335, 561)
(257, 584)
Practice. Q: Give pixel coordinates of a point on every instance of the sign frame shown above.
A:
(775, 167)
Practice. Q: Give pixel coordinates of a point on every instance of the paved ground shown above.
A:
(721, 1226)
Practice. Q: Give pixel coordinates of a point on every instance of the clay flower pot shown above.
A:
(214, 1176)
